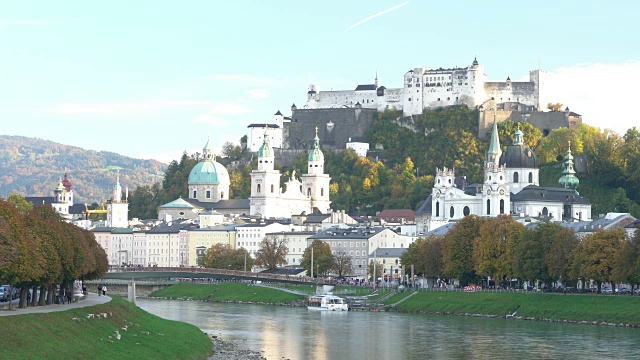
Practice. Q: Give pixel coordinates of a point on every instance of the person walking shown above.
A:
(99, 288)
(69, 295)
(104, 290)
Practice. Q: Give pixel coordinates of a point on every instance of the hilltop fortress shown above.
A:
(426, 88)
(429, 88)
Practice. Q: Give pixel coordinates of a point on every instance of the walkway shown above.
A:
(92, 299)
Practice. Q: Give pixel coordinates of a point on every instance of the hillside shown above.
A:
(32, 167)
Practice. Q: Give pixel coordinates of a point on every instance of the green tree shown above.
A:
(342, 264)
(20, 203)
(627, 262)
(378, 269)
(457, 249)
(272, 252)
(494, 247)
(323, 259)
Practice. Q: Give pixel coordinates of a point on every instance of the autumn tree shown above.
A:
(323, 259)
(342, 263)
(554, 107)
(627, 262)
(457, 249)
(494, 247)
(378, 269)
(223, 256)
(558, 257)
(272, 252)
(595, 257)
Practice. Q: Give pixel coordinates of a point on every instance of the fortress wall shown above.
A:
(286, 157)
(522, 92)
(347, 122)
(545, 121)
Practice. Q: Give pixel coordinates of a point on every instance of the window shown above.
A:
(194, 194)
(437, 208)
(208, 194)
(259, 188)
(530, 178)
(272, 188)
(451, 212)
(515, 177)
(322, 192)
(501, 206)
(488, 206)
(545, 211)
(466, 211)
(309, 192)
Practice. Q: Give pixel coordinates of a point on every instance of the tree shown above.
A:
(220, 256)
(494, 246)
(343, 263)
(20, 203)
(272, 252)
(322, 258)
(595, 257)
(457, 249)
(562, 242)
(415, 256)
(554, 107)
(378, 270)
(627, 262)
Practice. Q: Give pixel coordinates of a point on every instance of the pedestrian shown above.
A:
(104, 290)
(99, 287)
(69, 296)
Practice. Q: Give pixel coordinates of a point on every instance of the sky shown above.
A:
(150, 79)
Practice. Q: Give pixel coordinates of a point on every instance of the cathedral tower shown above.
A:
(495, 190)
(118, 208)
(265, 182)
(315, 183)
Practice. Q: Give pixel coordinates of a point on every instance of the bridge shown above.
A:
(139, 273)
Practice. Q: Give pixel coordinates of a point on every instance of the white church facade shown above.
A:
(268, 199)
(510, 186)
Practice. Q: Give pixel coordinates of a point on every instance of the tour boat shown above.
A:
(327, 303)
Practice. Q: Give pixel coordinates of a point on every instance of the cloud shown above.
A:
(603, 93)
(121, 108)
(376, 15)
(258, 93)
(218, 113)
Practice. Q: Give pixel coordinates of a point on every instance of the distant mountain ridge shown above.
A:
(33, 166)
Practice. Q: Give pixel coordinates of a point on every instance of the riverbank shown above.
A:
(571, 308)
(229, 292)
(115, 330)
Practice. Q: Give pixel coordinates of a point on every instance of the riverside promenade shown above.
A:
(92, 299)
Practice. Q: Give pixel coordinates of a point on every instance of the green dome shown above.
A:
(209, 172)
(569, 179)
(265, 150)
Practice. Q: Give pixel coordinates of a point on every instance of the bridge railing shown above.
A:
(246, 274)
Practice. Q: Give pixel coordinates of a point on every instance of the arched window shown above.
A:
(545, 211)
(437, 208)
(309, 192)
(451, 212)
(222, 195)
(515, 177)
(194, 194)
(272, 188)
(530, 178)
(322, 192)
(258, 189)
(488, 207)
(466, 211)
(501, 206)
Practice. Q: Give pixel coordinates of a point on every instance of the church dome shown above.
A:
(209, 172)
(519, 156)
(316, 154)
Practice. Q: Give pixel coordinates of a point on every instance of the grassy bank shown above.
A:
(227, 292)
(614, 309)
(58, 336)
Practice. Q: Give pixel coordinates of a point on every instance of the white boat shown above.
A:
(327, 303)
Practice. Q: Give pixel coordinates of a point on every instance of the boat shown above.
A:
(327, 303)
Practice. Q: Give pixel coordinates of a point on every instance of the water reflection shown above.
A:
(296, 333)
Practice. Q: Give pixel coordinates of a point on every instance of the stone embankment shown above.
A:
(296, 303)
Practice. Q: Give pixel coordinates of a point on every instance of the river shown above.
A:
(296, 333)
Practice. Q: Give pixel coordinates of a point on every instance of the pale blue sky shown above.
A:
(150, 79)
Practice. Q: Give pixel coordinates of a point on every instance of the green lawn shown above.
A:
(57, 336)
(227, 292)
(615, 309)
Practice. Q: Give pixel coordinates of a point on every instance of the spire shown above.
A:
(207, 152)
(518, 138)
(265, 149)
(117, 189)
(316, 154)
(569, 179)
(377, 82)
(493, 155)
(475, 61)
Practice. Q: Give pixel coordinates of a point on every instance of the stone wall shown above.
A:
(545, 121)
(335, 127)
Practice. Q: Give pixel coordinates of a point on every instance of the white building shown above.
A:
(359, 145)
(256, 132)
(249, 236)
(269, 200)
(296, 244)
(425, 88)
(511, 186)
(118, 208)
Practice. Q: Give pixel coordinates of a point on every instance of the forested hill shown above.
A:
(32, 167)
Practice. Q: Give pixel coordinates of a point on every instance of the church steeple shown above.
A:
(569, 179)
(494, 153)
(265, 153)
(518, 138)
(207, 152)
